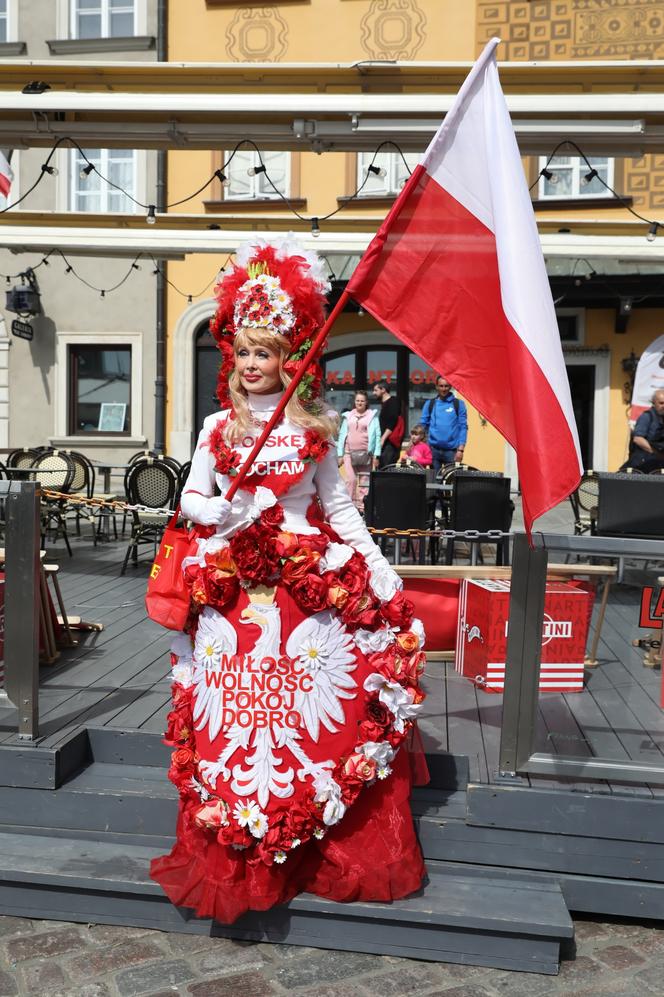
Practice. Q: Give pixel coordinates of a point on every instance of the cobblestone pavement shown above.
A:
(54, 959)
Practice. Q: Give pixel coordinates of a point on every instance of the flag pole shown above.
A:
(314, 349)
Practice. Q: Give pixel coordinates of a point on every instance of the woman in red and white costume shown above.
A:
(296, 682)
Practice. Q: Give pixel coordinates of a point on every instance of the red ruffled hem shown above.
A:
(372, 855)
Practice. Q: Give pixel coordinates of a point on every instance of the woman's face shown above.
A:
(360, 403)
(258, 368)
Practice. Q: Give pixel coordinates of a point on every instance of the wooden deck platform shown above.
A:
(119, 679)
(95, 784)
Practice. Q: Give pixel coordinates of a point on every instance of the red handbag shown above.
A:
(397, 434)
(167, 596)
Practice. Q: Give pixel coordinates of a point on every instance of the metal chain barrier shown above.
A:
(488, 535)
(99, 503)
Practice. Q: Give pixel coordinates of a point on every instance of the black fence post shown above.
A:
(22, 604)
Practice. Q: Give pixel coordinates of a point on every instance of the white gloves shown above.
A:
(205, 511)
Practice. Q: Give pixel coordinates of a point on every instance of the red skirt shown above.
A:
(371, 854)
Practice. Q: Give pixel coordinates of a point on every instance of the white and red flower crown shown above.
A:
(277, 286)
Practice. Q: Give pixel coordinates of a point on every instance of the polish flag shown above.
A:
(456, 272)
(6, 175)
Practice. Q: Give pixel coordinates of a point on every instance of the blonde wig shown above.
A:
(310, 417)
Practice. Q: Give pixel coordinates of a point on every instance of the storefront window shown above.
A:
(421, 386)
(100, 390)
(340, 383)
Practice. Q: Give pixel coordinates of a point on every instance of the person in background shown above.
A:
(446, 421)
(358, 447)
(391, 424)
(646, 451)
(419, 451)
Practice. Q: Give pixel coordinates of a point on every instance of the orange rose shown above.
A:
(337, 596)
(285, 543)
(359, 768)
(222, 561)
(408, 641)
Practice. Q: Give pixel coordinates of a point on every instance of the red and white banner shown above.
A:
(456, 272)
(6, 175)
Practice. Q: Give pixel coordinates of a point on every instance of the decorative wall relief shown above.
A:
(392, 29)
(573, 29)
(257, 34)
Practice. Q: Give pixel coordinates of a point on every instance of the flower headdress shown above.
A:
(277, 286)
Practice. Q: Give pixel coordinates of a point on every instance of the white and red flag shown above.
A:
(456, 272)
(6, 175)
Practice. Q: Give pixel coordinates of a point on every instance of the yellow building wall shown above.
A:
(428, 30)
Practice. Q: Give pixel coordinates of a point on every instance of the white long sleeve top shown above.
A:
(279, 456)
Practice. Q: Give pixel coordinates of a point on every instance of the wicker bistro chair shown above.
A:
(481, 504)
(585, 502)
(183, 474)
(22, 457)
(55, 471)
(82, 487)
(152, 483)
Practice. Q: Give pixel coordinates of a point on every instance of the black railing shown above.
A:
(20, 502)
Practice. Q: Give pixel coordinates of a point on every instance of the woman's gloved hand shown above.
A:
(205, 511)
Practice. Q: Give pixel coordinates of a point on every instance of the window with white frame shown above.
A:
(88, 192)
(394, 169)
(103, 18)
(570, 176)
(99, 389)
(4, 26)
(245, 179)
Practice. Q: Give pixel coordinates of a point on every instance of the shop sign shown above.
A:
(22, 329)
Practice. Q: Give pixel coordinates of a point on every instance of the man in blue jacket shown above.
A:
(446, 421)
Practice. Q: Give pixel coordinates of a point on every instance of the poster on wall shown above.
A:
(649, 377)
(112, 417)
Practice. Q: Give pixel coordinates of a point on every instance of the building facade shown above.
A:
(609, 310)
(86, 379)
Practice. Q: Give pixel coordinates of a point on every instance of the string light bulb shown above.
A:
(151, 217)
(254, 170)
(86, 171)
(315, 227)
(589, 177)
(378, 171)
(222, 178)
(652, 231)
(51, 170)
(550, 176)
(189, 299)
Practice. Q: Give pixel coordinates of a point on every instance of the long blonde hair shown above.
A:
(310, 417)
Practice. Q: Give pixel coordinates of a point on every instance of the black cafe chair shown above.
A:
(152, 483)
(481, 505)
(397, 500)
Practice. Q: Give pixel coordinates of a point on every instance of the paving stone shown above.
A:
(468, 990)
(518, 984)
(14, 926)
(143, 979)
(586, 930)
(581, 968)
(650, 943)
(619, 957)
(336, 990)
(410, 979)
(231, 959)
(245, 985)
(100, 961)
(652, 977)
(108, 934)
(328, 966)
(43, 977)
(86, 990)
(45, 945)
(8, 984)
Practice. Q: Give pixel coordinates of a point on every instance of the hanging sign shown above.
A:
(649, 378)
(22, 329)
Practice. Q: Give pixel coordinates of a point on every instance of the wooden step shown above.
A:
(500, 922)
